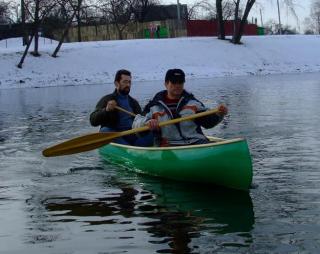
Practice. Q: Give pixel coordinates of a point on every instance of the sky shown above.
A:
(269, 11)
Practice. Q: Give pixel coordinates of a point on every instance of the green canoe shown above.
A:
(224, 162)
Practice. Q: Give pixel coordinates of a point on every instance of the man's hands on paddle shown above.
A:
(153, 124)
(111, 105)
(222, 110)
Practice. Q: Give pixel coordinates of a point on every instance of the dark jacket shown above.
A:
(110, 118)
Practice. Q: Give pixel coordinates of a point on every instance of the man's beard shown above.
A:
(124, 91)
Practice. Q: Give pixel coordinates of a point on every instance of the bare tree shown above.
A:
(315, 16)
(238, 32)
(78, 12)
(118, 12)
(202, 9)
(36, 11)
(273, 27)
(23, 23)
(221, 31)
(140, 8)
(291, 5)
(67, 26)
(4, 12)
(236, 15)
(82, 7)
(25, 52)
(228, 9)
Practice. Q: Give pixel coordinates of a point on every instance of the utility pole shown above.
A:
(178, 19)
(178, 11)
(261, 18)
(23, 23)
(280, 29)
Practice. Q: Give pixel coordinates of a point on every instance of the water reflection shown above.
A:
(184, 211)
(172, 213)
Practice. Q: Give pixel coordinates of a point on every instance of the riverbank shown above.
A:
(199, 57)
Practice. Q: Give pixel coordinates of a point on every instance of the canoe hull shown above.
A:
(226, 163)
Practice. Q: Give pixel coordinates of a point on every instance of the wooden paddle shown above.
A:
(95, 140)
(125, 111)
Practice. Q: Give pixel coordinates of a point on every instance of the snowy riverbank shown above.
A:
(205, 57)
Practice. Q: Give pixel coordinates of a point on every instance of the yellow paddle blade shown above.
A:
(80, 144)
(87, 142)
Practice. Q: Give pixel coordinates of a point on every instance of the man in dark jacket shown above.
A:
(111, 120)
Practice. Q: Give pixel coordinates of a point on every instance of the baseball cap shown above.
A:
(175, 76)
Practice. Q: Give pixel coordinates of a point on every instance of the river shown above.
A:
(81, 204)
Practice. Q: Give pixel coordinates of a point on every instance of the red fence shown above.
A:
(210, 28)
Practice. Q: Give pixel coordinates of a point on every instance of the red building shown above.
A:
(210, 28)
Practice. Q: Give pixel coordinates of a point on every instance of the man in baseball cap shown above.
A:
(175, 102)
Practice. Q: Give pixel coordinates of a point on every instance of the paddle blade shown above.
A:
(80, 144)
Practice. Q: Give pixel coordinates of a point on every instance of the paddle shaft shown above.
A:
(125, 111)
(95, 140)
(173, 121)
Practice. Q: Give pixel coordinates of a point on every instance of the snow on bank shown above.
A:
(199, 57)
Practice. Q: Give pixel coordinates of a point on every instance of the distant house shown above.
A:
(165, 12)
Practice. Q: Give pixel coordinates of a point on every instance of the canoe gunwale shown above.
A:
(219, 141)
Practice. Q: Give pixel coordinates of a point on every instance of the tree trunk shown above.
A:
(79, 31)
(79, 20)
(221, 32)
(239, 32)
(119, 31)
(25, 52)
(23, 24)
(36, 29)
(120, 35)
(65, 33)
(236, 18)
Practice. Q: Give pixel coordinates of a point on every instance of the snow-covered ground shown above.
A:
(199, 57)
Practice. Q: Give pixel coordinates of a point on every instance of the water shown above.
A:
(80, 204)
